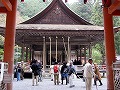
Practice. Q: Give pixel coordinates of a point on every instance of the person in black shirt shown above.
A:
(18, 71)
(35, 71)
(64, 72)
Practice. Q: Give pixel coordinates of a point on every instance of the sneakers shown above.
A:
(100, 84)
(72, 86)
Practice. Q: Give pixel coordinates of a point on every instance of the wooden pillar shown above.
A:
(33, 54)
(77, 54)
(10, 39)
(69, 50)
(22, 53)
(56, 48)
(44, 54)
(90, 51)
(50, 51)
(30, 51)
(80, 53)
(26, 54)
(109, 47)
(85, 53)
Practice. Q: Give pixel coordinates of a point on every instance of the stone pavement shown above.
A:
(46, 84)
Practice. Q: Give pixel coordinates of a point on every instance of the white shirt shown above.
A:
(88, 71)
(51, 69)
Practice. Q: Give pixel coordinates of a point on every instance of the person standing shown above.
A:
(35, 71)
(40, 71)
(64, 72)
(98, 75)
(52, 72)
(22, 70)
(88, 74)
(18, 71)
(56, 73)
(71, 71)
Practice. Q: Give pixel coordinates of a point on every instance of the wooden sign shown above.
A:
(7, 78)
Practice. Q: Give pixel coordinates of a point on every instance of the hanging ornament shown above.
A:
(85, 1)
(22, 0)
(105, 3)
(65, 0)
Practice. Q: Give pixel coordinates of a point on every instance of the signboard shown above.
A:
(7, 78)
(3, 69)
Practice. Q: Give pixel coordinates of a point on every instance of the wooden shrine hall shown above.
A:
(56, 32)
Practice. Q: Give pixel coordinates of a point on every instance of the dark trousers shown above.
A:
(64, 76)
(95, 80)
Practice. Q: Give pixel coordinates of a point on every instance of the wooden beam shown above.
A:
(114, 6)
(3, 10)
(116, 13)
(7, 4)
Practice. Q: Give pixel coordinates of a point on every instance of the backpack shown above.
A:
(71, 71)
(55, 69)
(65, 70)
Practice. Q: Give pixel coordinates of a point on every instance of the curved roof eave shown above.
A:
(64, 7)
(58, 27)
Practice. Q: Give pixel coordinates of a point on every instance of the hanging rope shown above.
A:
(43, 0)
(66, 0)
(85, 1)
(64, 46)
(22, 0)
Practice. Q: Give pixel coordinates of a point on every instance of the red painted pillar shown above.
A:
(109, 47)
(10, 39)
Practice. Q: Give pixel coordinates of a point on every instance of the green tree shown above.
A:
(1, 47)
(30, 8)
(98, 53)
(117, 43)
(96, 56)
(97, 16)
(82, 10)
(117, 35)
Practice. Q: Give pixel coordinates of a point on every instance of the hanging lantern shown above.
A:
(43, 0)
(65, 0)
(85, 1)
(105, 2)
(22, 0)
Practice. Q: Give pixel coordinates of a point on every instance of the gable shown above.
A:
(57, 13)
(57, 16)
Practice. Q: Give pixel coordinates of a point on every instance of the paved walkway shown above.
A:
(46, 84)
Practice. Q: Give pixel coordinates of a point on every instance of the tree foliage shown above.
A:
(30, 8)
(82, 10)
